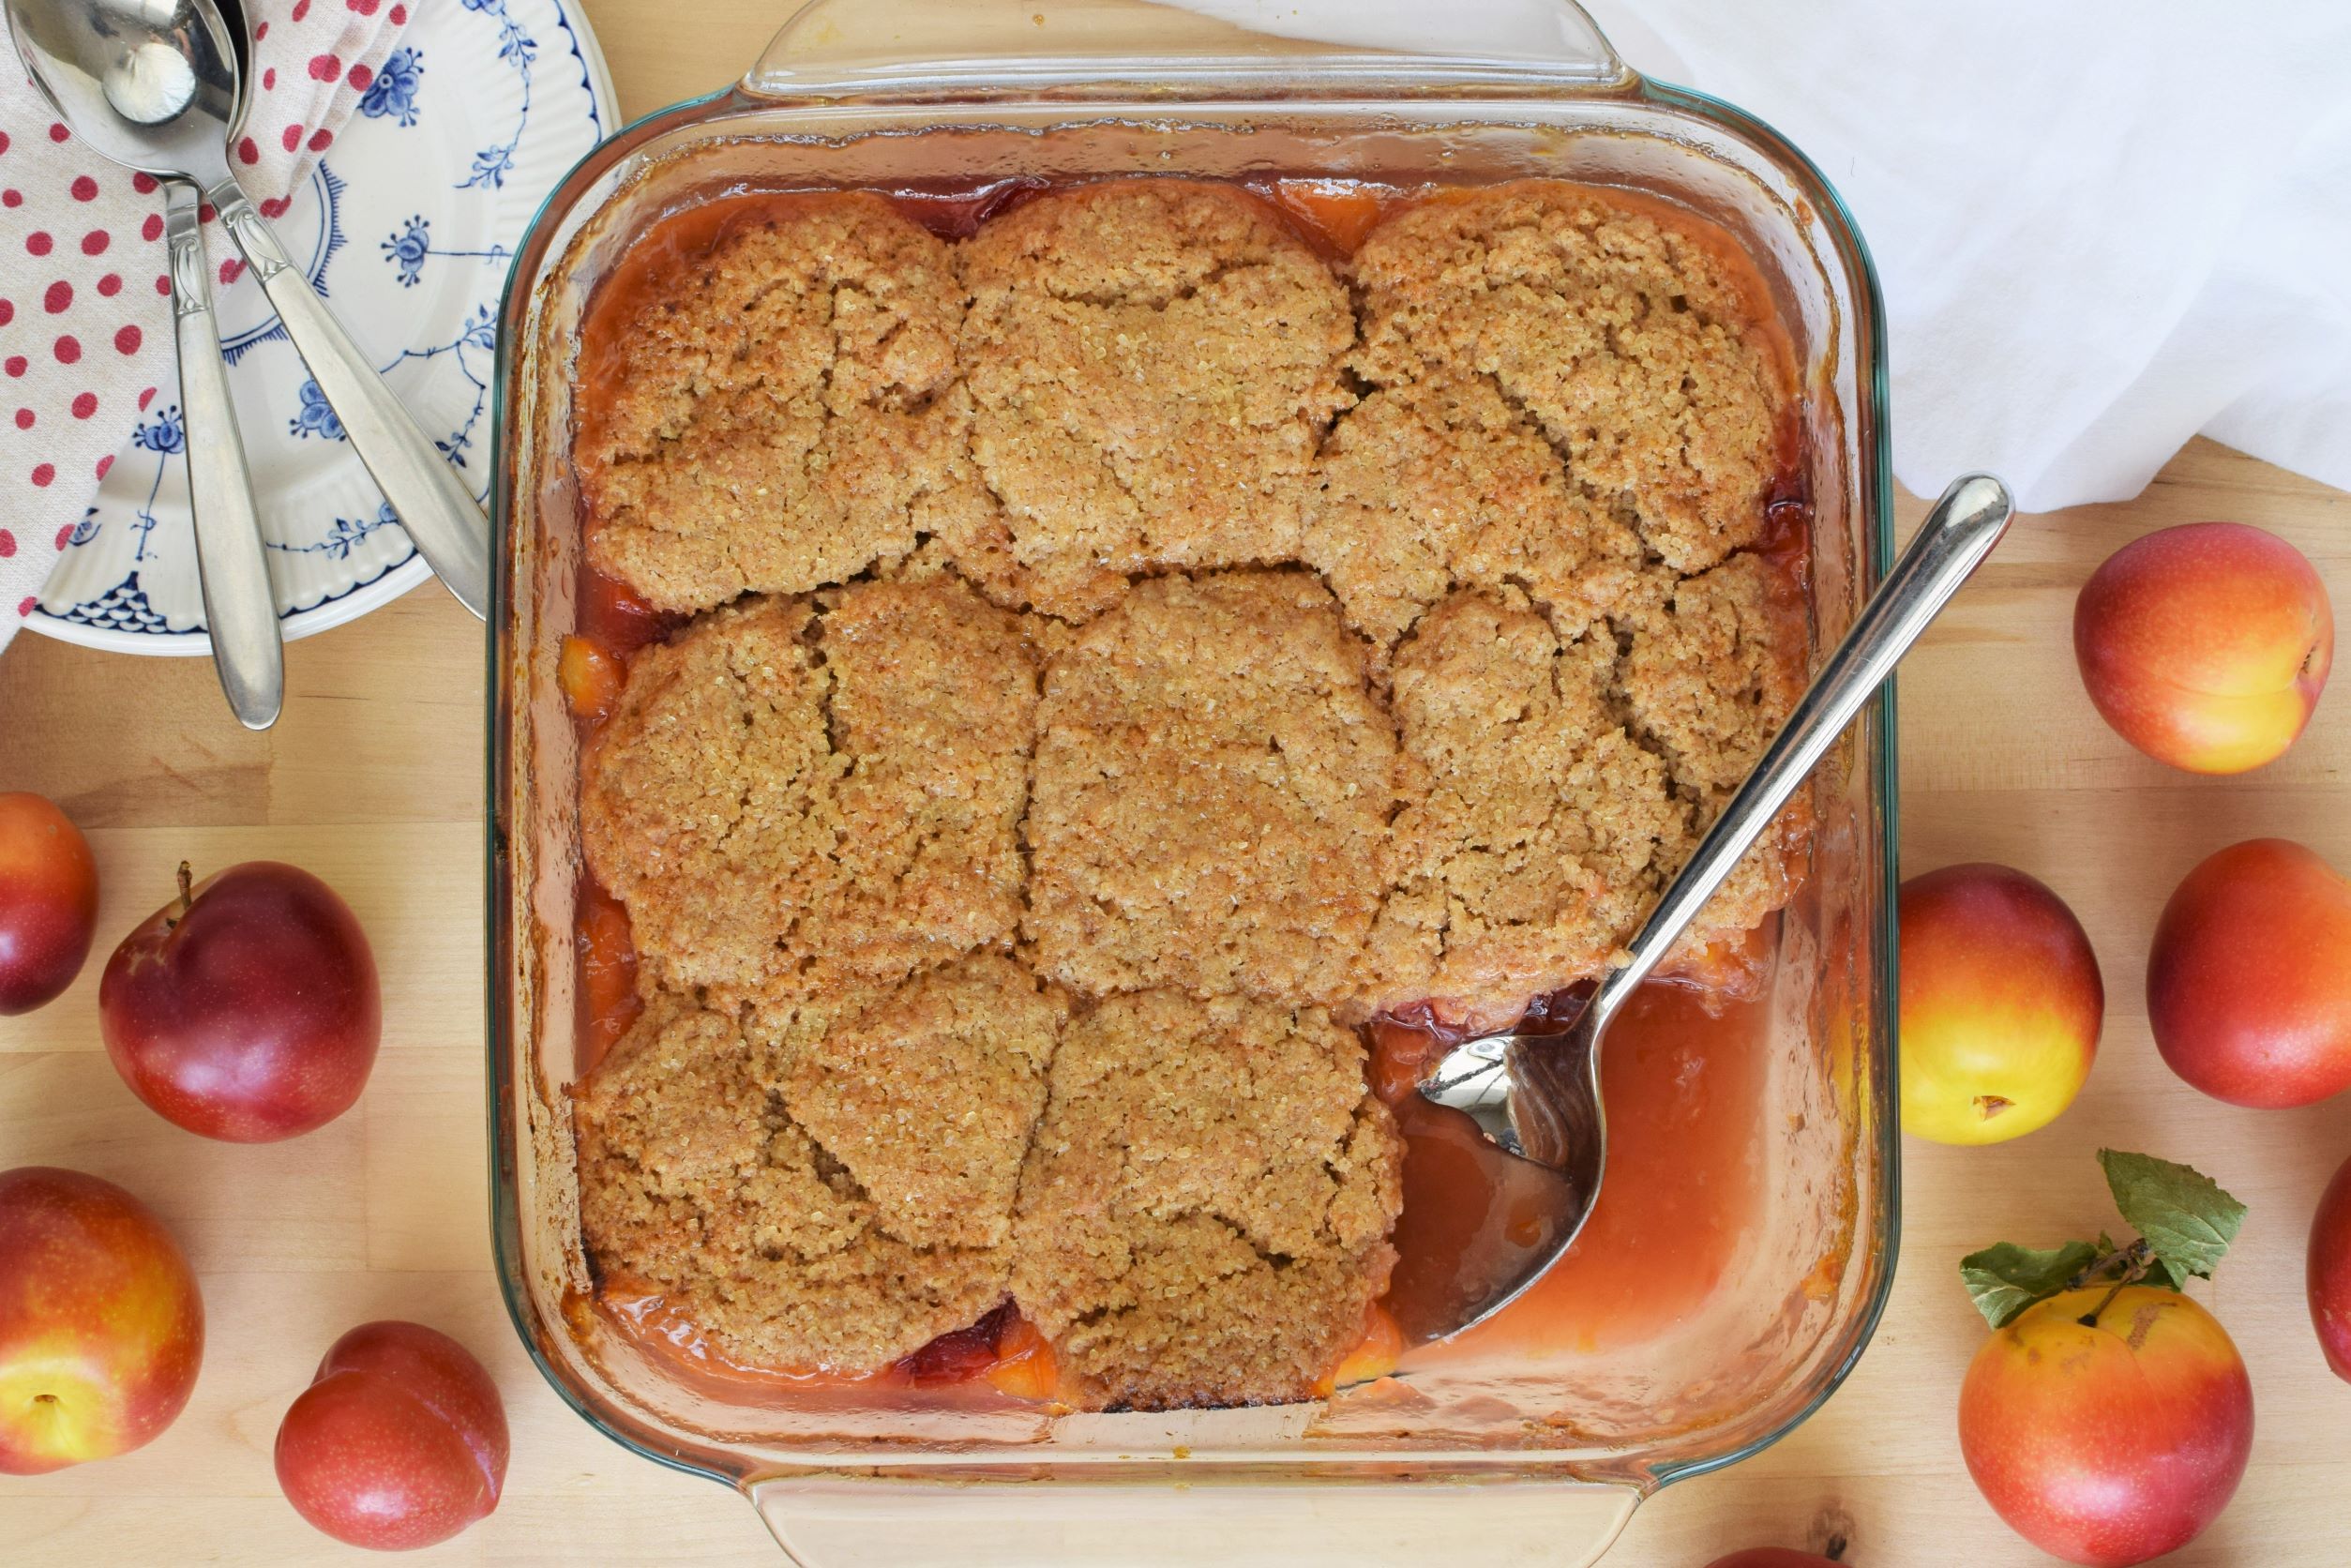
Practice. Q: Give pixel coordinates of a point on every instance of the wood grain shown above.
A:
(374, 781)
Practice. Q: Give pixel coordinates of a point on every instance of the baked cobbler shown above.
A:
(1117, 654)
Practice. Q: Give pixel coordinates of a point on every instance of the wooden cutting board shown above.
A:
(374, 781)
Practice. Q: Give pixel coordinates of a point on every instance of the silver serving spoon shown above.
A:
(1537, 1095)
(139, 107)
(164, 66)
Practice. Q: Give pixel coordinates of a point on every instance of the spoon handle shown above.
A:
(1956, 536)
(240, 608)
(432, 502)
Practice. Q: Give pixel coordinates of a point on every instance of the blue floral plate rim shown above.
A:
(374, 563)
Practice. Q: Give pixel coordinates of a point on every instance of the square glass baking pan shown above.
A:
(1522, 1456)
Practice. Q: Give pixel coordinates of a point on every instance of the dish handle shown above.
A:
(848, 47)
(824, 1521)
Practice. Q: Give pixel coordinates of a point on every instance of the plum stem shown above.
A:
(188, 902)
(2136, 1252)
(2121, 1256)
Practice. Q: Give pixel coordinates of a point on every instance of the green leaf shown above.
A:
(2187, 1220)
(2006, 1279)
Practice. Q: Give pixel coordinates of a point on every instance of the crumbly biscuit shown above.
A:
(934, 703)
(782, 416)
(1632, 332)
(1150, 365)
(1204, 1215)
(928, 1097)
(790, 792)
(1538, 832)
(840, 1206)
(1438, 485)
(1714, 667)
(706, 807)
(1213, 785)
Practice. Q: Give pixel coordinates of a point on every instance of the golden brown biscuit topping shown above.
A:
(1204, 1215)
(1714, 669)
(707, 805)
(781, 419)
(1420, 706)
(1150, 365)
(1440, 485)
(1606, 317)
(793, 791)
(1538, 833)
(836, 1205)
(1214, 780)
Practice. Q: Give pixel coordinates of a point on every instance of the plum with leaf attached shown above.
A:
(2109, 1417)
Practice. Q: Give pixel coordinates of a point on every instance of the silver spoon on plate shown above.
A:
(1537, 1095)
(147, 103)
(170, 61)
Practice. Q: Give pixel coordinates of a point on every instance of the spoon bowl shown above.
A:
(1536, 1094)
(152, 84)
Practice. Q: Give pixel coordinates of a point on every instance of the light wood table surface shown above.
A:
(374, 781)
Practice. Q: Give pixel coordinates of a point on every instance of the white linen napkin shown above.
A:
(2102, 226)
(85, 313)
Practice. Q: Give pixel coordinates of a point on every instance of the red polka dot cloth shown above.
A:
(85, 313)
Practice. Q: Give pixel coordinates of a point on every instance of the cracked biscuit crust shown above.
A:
(1715, 665)
(707, 801)
(1635, 334)
(1204, 1215)
(1439, 483)
(1214, 780)
(1151, 364)
(792, 793)
(1538, 833)
(781, 418)
(830, 1206)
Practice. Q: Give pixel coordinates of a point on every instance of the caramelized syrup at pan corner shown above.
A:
(1682, 1073)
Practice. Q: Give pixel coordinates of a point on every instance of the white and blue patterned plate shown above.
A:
(406, 226)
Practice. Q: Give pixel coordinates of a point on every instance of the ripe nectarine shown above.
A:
(2001, 1004)
(2330, 1272)
(2206, 645)
(101, 1328)
(48, 901)
(246, 1009)
(2248, 976)
(400, 1442)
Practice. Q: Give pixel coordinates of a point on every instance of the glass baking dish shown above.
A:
(1515, 1455)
